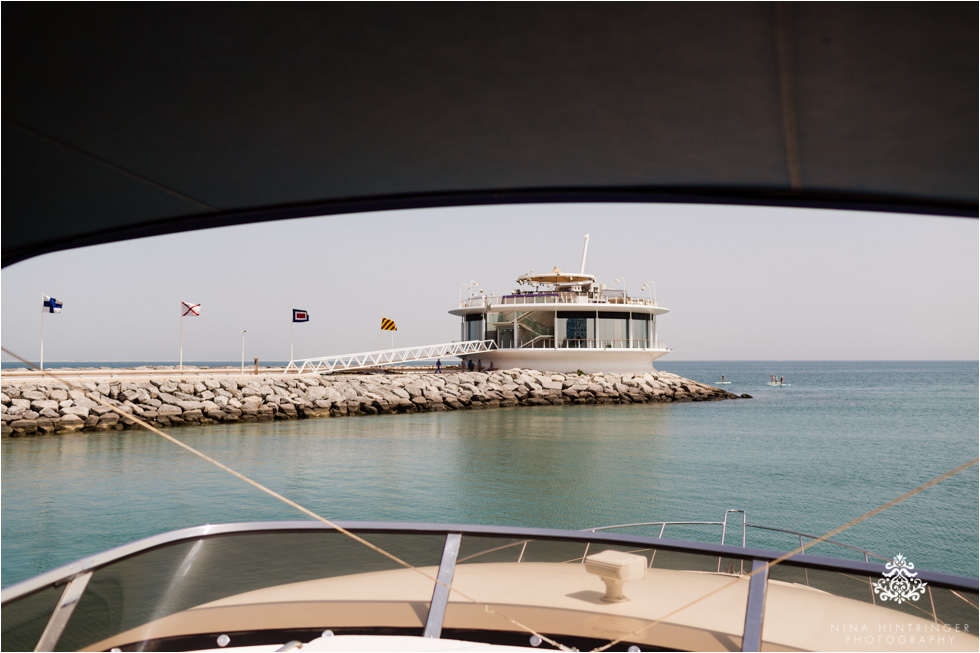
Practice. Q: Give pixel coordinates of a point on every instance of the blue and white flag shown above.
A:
(300, 315)
(51, 305)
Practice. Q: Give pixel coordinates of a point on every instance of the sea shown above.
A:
(838, 440)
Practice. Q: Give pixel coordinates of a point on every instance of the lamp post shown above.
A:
(467, 286)
(623, 281)
(652, 287)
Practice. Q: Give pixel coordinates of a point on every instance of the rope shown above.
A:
(963, 598)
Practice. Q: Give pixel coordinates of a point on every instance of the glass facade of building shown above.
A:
(563, 329)
(500, 329)
(612, 329)
(575, 329)
(641, 329)
(474, 327)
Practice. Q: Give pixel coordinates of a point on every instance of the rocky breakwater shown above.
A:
(42, 407)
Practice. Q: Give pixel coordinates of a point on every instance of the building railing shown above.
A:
(541, 342)
(605, 297)
(547, 342)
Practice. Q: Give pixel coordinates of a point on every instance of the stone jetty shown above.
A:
(37, 407)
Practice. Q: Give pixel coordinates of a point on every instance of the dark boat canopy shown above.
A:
(131, 119)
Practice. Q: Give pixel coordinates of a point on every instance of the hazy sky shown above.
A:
(742, 283)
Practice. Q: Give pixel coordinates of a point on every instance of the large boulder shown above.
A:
(69, 424)
(24, 426)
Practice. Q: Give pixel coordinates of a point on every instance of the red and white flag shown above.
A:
(189, 310)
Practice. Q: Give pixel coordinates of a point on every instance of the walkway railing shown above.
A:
(381, 357)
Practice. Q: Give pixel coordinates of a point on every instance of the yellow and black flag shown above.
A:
(388, 325)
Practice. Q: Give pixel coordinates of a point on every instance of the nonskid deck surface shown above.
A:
(560, 598)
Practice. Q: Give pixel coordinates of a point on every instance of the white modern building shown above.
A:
(563, 322)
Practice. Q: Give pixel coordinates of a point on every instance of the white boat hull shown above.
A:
(570, 360)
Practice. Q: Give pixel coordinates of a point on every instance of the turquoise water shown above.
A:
(844, 438)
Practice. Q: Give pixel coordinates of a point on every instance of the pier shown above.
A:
(44, 406)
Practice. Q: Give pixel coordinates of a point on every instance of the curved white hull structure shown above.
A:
(570, 360)
(563, 322)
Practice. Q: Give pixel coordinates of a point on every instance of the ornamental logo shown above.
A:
(899, 582)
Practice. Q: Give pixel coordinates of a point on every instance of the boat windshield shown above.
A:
(181, 590)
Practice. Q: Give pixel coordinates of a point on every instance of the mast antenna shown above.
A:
(585, 250)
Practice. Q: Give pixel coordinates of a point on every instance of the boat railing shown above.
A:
(801, 538)
(138, 583)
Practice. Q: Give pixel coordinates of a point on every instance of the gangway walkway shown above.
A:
(381, 357)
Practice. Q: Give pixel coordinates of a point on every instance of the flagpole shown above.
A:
(180, 365)
(291, 323)
(243, 351)
(42, 333)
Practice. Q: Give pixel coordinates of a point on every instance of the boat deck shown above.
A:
(280, 582)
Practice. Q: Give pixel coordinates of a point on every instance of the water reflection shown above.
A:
(809, 460)
(550, 466)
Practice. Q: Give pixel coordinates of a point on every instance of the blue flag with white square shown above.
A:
(50, 305)
(300, 315)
